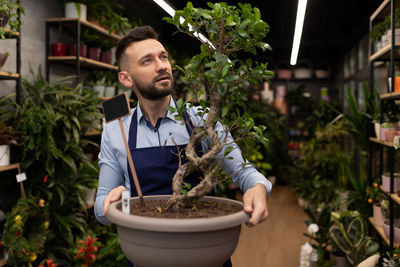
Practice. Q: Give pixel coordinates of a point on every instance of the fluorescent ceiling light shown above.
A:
(166, 7)
(171, 12)
(301, 11)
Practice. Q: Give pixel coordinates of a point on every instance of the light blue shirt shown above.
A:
(113, 158)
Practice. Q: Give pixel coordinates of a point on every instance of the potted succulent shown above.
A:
(218, 68)
(9, 15)
(349, 234)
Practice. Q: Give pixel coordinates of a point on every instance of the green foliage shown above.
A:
(224, 69)
(10, 8)
(349, 234)
(324, 166)
(55, 117)
(26, 230)
(359, 121)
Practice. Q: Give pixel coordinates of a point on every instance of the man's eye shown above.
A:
(164, 57)
(146, 61)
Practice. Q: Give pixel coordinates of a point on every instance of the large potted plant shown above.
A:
(221, 73)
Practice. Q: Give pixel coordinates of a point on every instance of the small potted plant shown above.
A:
(349, 234)
(3, 59)
(376, 197)
(9, 16)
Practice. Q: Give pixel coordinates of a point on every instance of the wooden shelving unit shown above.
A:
(9, 76)
(10, 167)
(395, 197)
(384, 53)
(85, 62)
(385, 143)
(380, 231)
(69, 23)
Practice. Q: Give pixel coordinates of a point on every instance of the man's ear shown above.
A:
(125, 79)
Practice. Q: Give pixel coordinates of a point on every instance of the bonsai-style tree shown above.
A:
(222, 71)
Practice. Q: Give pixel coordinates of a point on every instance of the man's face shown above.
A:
(149, 68)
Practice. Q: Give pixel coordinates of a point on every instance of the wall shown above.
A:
(32, 41)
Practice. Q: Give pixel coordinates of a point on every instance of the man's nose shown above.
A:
(162, 65)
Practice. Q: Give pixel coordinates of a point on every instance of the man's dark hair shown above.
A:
(135, 35)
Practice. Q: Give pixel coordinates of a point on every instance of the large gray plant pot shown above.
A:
(155, 242)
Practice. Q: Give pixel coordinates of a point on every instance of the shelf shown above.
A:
(10, 167)
(385, 143)
(4, 75)
(69, 22)
(85, 62)
(380, 231)
(10, 34)
(3, 262)
(382, 11)
(395, 197)
(384, 53)
(390, 96)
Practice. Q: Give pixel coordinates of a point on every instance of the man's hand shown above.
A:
(113, 195)
(255, 203)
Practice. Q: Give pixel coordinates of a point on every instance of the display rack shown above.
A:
(74, 27)
(388, 54)
(16, 76)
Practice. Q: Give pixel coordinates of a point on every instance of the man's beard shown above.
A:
(151, 92)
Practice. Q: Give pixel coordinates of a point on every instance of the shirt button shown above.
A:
(155, 131)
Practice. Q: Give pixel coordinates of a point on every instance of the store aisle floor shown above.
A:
(276, 242)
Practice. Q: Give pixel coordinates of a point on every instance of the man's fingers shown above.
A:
(112, 196)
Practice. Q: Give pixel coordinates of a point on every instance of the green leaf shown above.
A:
(224, 111)
(225, 70)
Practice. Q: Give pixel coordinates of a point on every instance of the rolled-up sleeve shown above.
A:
(111, 175)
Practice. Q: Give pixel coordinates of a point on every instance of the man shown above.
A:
(144, 67)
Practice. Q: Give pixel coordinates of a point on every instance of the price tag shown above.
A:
(126, 196)
(21, 177)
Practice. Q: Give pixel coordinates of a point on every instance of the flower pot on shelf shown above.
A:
(377, 128)
(72, 50)
(386, 182)
(4, 155)
(167, 242)
(3, 59)
(94, 53)
(58, 49)
(389, 134)
(75, 10)
(105, 56)
(396, 232)
(377, 215)
(109, 91)
(99, 89)
(3, 19)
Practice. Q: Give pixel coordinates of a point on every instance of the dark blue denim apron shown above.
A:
(156, 166)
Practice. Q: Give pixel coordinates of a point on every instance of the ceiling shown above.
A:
(331, 27)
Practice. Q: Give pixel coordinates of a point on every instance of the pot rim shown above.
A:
(177, 225)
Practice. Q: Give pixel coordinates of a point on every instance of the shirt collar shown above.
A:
(170, 115)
